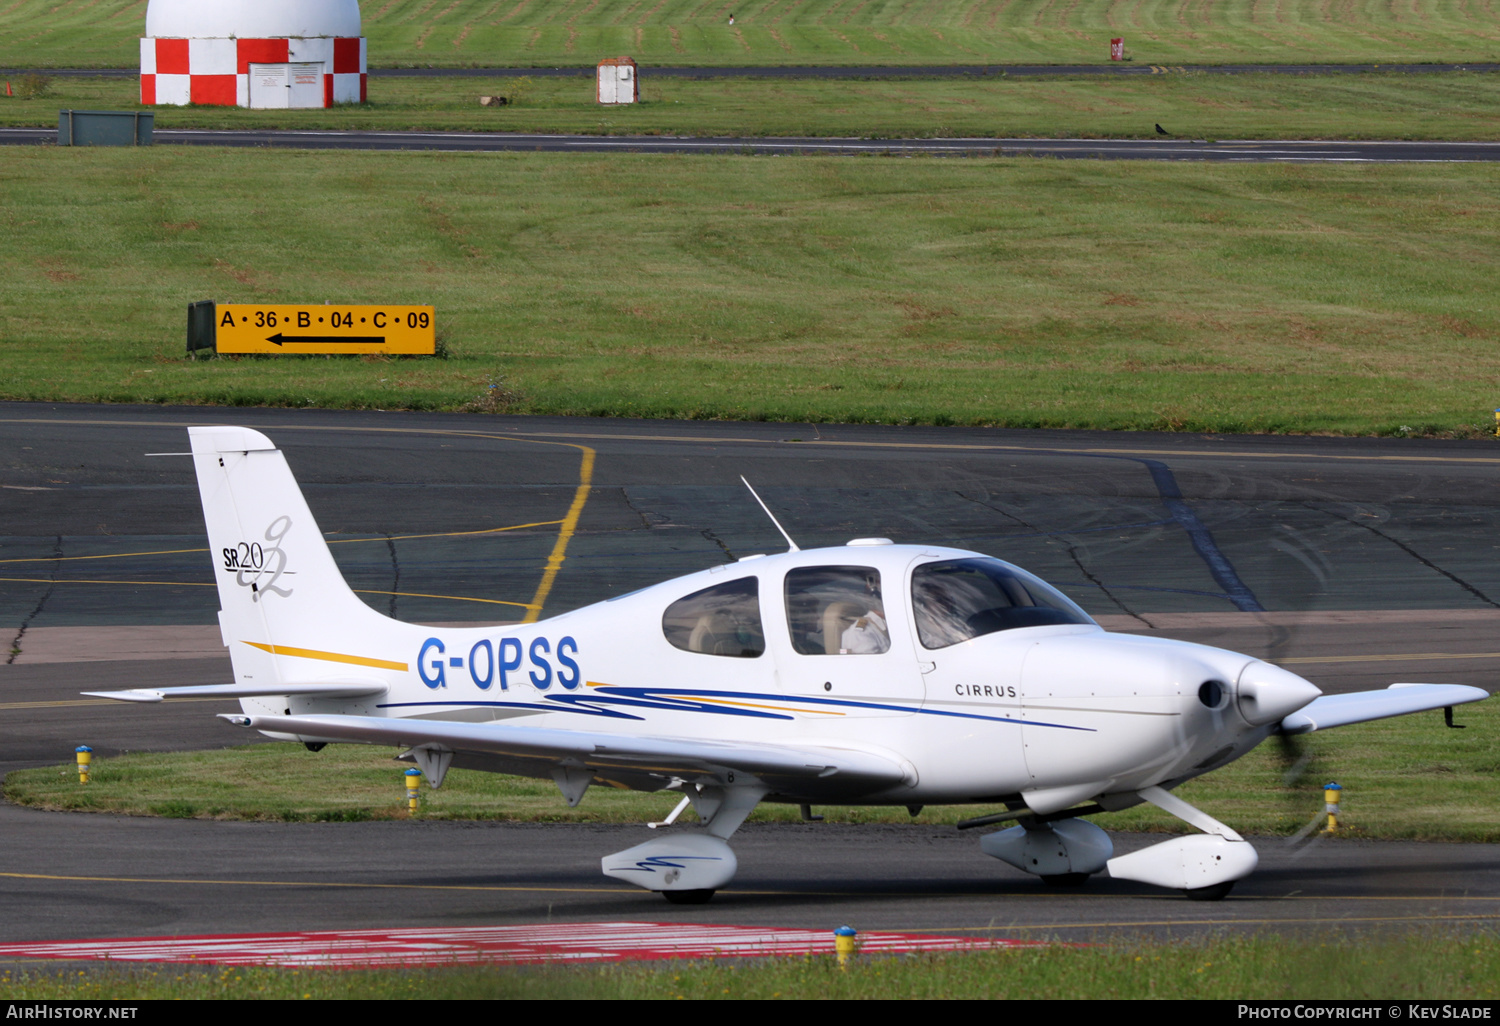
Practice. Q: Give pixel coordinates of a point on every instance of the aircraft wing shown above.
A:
(1363, 706)
(342, 688)
(648, 763)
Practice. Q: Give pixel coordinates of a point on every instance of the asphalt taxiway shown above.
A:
(1241, 151)
(1354, 562)
(906, 71)
(107, 876)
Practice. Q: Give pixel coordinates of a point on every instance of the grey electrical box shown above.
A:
(104, 127)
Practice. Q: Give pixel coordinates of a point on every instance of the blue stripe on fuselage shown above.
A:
(601, 702)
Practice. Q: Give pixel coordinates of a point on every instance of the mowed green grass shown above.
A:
(1447, 967)
(1329, 297)
(1196, 105)
(1404, 778)
(487, 33)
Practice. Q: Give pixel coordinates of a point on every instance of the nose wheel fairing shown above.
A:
(1204, 865)
(1198, 864)
(1201, 864)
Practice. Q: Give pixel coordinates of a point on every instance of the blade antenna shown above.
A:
(763, 506)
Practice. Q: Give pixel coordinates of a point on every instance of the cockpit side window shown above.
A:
(723, 620)
(959, 599)
(836, 610)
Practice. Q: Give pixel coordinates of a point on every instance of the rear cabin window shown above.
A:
(723, 620)
(959, 599)
(836, 610)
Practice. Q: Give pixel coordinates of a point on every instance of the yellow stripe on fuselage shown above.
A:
(731, 702)
(332, 657)
(757, 705)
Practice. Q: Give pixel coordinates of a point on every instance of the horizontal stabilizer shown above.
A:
(1363, 706)
(311, 689)
(790, 768)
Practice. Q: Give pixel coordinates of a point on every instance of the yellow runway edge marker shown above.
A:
(413, 785)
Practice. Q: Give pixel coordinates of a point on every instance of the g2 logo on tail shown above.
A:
(251, 562)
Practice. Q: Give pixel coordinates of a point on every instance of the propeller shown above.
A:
(1295, 758)
(1296, 755)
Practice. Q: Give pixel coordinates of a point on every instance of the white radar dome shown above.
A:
(251, 19)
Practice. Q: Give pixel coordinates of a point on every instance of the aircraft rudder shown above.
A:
(277, 580)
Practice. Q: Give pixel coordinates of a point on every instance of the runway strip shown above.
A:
(1247, 151)
(874, 71)
(1113, 68)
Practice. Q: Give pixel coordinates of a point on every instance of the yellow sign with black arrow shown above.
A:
(320, 330)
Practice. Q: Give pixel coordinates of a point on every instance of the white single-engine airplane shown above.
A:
(870, 674)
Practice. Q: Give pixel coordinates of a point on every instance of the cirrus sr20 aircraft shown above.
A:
(867, 674)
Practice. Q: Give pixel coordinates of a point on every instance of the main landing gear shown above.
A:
(688, 866)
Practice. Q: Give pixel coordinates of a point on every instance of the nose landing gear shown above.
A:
(1204, 866)
(1064, 853)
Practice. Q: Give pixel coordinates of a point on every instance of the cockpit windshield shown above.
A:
(958, 599)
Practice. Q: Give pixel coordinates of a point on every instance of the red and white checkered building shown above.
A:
(200, 51)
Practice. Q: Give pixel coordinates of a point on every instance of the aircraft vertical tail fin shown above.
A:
(278, 584)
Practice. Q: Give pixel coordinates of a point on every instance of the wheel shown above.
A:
(1066, 879)
(1214, 893)
(688, 897)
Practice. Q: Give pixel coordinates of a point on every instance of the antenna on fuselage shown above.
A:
(763, 506)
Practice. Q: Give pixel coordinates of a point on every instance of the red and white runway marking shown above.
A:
(553, 942)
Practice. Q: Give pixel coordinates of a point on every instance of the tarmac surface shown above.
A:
(872, 71)
(133, 877)
(1241, 151)
(1355, 562)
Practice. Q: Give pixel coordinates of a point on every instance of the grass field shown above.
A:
(1443, 967)
(1194, 105)
(1013, 292)
(484, 33)
(1405, 778)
